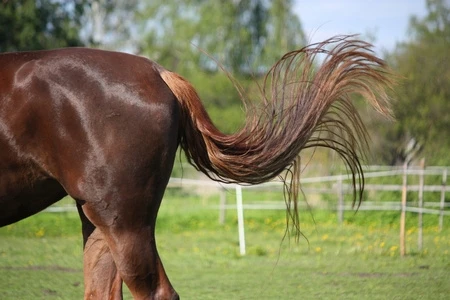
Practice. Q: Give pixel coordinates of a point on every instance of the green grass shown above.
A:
(41, 257)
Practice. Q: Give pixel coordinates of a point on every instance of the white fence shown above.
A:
(337, 187)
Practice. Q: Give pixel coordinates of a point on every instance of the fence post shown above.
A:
(240, 215)
(223, 206)
(340, 207)
(420, 204)
(442, 203)
(403, 211)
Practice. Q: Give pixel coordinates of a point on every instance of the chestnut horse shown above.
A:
(104, 128)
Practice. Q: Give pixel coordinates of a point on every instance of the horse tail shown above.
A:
(302, 106)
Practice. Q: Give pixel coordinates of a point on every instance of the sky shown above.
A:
(387, 20)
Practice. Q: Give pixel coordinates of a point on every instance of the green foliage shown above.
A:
(220, 98)
(422, 107)
(34, 25)
(245, 36)
(46, 24)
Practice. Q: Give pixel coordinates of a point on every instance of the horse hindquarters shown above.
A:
(119, 226)
(130, 143)
(103, 126)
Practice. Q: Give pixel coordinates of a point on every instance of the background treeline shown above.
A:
(196, 38)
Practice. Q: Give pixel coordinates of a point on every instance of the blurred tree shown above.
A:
(246, 37)
(109, 23)
(422, 108)
(44, 24)
(39, 24)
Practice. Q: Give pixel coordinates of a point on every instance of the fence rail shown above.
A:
(339, 188)
(333, 185)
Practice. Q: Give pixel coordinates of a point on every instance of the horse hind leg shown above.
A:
(124, 248)
(101, 279)
(139, 265)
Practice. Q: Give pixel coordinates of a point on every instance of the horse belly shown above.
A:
(24, 193)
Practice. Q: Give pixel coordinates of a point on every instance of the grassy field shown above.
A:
(41, 257)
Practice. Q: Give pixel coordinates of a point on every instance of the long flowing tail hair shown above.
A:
(302, 106)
